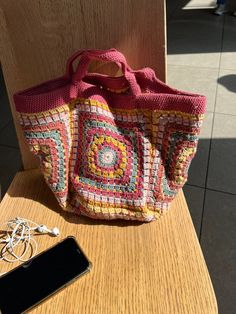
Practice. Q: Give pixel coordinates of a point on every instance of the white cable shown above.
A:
(20, 231)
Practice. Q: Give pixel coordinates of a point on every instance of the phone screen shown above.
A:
(35, 280)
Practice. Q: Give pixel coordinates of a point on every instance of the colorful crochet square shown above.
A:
(113, 163)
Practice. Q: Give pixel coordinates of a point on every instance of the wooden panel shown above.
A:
(38, 36)
(154, 267)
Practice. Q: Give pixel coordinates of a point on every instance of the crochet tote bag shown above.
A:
(111, 147)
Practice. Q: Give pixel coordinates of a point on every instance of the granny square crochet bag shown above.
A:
(111, 147)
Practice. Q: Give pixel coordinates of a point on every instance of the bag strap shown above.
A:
(105, 55)
(111, 55)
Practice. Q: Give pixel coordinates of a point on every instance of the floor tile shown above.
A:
(198, 167)
(226, 94)
(8, 135)
(218, 245)
(228, 60)
(194, 39)
(195, 197)
(171, 6)
(222, 166)
(228, 57)
(205, 133)
(10, 163)
(196, 80)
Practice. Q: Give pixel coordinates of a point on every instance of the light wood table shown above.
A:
(154, 267)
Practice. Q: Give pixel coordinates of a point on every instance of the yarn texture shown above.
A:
(110, 147)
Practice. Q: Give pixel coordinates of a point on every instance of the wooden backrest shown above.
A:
(36, 38)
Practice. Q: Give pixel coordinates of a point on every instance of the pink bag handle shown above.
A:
(111, 55)
(105, 55)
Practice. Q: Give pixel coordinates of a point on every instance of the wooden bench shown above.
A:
(155, 267)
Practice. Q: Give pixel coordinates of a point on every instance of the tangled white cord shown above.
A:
(20, 231)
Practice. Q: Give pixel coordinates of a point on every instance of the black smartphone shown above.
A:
(35, 280)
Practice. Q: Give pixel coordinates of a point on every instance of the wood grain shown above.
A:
(154, 267)
(137, 268)
(38, 36)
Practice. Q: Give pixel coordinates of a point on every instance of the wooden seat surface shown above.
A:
(155, 267)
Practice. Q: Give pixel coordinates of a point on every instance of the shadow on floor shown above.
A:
(229, 82)
(199, 31)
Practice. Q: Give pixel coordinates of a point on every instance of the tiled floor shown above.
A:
(202, 58)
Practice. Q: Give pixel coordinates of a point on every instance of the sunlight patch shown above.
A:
(200, 4)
